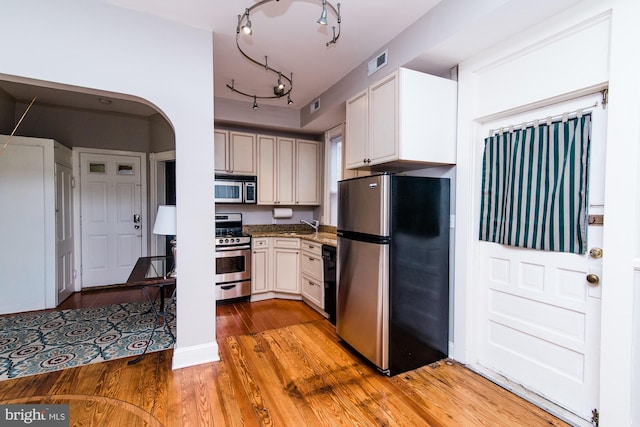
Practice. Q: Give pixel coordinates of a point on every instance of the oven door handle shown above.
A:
(232, 248)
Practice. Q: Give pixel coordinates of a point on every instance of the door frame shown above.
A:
(156, 192)
(77, 203)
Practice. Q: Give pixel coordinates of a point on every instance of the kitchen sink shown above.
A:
(297, 233)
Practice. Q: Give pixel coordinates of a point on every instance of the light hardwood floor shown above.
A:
(281, 365)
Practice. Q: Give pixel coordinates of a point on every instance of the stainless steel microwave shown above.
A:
(236, 189)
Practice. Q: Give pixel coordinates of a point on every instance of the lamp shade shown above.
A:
(165, 220)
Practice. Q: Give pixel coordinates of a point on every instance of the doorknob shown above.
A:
(595, 253)
(593, 279)
(136, 218)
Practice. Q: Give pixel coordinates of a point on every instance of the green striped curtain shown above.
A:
(534, 186)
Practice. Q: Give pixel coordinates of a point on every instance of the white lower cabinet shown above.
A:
(291, 268)
(286, 265)
(311, 274)
(261, 266)
(312, 285)
(275, 269)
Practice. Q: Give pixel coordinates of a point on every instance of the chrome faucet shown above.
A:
(313, 224)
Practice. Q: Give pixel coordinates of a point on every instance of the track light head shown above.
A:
(323, 16)
(246, 28)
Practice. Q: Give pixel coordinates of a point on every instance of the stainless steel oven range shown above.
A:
(233, 259)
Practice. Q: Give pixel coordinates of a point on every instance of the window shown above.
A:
(333, 173)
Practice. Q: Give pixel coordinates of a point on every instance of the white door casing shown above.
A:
(64, 232)
(540, 317)
(110, 197)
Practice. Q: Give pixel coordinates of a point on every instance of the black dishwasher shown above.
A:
(329, 265)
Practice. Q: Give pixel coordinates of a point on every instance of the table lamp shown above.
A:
(166, 225)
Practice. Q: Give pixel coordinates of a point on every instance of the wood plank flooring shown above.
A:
(282, 365)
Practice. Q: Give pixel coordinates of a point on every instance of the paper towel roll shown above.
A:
(282, 212)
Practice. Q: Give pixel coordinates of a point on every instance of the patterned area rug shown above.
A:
(39, 342)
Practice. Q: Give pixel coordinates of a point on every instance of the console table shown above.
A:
(149, 272)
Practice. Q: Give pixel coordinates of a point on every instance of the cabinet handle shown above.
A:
(311, 259)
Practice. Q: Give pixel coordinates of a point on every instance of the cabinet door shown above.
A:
(285, 167)
(308, 173)
(357, 129)
(260, 269)
(383, 120)
(286, 270)
(221, 151)
(242, 153)
(266, 170)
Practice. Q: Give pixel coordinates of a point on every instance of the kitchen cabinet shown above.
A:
(286, 265)
(289, 171)
(261, 266)
(404, 121)
(276, 170)
(275, 268)
(308, 172)
(311, 277)
(235, 152)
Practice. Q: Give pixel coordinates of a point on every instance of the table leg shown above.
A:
(158, 314)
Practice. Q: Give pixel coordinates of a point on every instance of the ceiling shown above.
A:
(284, 30)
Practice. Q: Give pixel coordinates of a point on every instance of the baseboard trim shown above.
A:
(183, 357)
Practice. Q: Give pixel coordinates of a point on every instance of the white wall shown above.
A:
(89, 44)
(83, 128)
(161, 135)
(258, 214)
(493, 83)
(451, 31)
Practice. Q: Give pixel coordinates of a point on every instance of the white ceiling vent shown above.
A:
(378, 62)
(315, 105)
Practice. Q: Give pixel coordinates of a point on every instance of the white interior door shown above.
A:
(539, 317)
(64, 232)
(111, 222)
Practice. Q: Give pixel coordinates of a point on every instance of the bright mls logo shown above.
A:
(36, 415)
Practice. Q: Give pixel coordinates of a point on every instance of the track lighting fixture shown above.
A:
(323, 16)
(284, 84)
(246, 28)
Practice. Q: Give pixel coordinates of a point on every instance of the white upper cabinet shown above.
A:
(276, 170)
(221, 150)
(406, 120)
(289, 171)
(357, 131)
(235, 152)
(308, 172)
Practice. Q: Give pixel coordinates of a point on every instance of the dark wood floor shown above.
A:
(281, 365)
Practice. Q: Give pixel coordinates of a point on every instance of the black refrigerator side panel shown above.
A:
(419, 272)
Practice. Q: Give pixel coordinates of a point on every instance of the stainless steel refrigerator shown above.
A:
(393, 269)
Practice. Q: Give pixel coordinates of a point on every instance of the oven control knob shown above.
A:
(226, 240)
